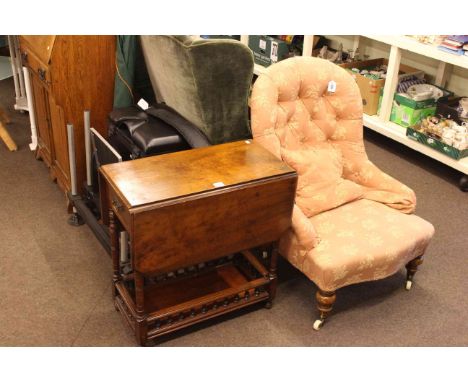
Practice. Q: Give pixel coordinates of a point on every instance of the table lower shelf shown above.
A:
(182, 301)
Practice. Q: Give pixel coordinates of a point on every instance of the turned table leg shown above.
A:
(272, 275)
(141, 325)
(411, 269)
(114, 246)
(325, 301)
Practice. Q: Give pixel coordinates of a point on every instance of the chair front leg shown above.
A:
(325, 301)
(411, 269)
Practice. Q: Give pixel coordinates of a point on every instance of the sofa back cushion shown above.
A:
(206, 81)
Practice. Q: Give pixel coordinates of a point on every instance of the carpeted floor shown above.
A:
(55, 279)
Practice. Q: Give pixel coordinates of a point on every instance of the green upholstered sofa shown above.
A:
(206, 81)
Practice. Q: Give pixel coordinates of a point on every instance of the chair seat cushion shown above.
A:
(360, 241)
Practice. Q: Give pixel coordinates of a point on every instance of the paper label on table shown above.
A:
(262, 44)
(332, 87)
(274, 51)
(218, 184)
(143, 104)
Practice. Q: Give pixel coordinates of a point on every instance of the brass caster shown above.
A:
(268, 305)
(318, 324)
(408, 285)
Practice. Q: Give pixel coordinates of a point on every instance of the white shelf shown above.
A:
(385, 127)
(398, 133)
(408, 43)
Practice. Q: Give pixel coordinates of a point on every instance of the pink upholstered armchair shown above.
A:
(351, 221)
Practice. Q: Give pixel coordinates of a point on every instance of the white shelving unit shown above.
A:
(381, 124)
(410, 44)
(398, 133)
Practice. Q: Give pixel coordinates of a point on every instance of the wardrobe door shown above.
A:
(59, 136)
(44, 140)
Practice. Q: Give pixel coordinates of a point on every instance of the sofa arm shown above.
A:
(382, 188)
(191, 133)
(304, 229)
(378, 186)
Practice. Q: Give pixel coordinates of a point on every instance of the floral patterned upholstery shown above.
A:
(351, 221)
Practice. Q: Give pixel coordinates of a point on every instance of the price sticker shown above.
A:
(274, 51)
(143, 104)
(332, 87)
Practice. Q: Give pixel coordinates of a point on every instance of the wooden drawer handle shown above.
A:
(42, 74)
(117, 205)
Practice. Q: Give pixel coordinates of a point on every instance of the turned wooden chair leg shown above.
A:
(272, 275)
(411, 269)
(325, 301)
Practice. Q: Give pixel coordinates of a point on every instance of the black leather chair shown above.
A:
(202, 89)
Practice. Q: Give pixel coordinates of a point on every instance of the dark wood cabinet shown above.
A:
(68, 75)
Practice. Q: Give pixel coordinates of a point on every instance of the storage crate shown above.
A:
(435, 144)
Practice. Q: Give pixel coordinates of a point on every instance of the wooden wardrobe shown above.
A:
(68, 74)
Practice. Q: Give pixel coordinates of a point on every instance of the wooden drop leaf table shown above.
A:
(195, 221)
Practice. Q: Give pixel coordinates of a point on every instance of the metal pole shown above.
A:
(19, 64)
(87, 134)
(32, 117)
(71, 158)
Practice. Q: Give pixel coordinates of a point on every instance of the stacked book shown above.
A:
(456, 44)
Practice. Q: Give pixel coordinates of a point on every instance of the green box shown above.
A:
(436, 144)
(408, 112)
(268, 50)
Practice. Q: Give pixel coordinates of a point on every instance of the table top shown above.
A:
(169, 176)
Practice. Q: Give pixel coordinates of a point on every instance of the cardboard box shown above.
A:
(408, 112)
(370, 89)
(268, 50)
(436, 144)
